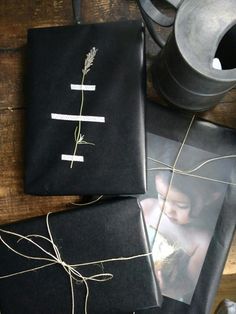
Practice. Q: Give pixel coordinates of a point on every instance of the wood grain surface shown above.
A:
(15, 18)
(226, 290)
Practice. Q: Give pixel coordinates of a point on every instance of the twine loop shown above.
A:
(55, 259)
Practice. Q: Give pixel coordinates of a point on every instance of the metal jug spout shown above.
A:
(226, 51)
(183, 71)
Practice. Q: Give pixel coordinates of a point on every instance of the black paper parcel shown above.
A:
(189, 206)
(85, 110)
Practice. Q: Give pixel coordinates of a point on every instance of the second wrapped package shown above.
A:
(92, 260)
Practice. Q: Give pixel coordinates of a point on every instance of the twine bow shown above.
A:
(54, 259)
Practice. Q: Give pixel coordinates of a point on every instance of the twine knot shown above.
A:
(55, 258)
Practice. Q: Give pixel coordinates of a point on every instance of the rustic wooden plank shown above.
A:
(113, 10)
(230, 97)
(12, 62)
(226, 290)
(108, 10)
(224, 114)
(230, 266)
(17, 16)
(14, 204)
(12, 67)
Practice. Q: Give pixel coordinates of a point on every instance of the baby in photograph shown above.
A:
(180, 227)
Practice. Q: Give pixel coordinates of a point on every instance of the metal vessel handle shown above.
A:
(76, 5)
(152, 15)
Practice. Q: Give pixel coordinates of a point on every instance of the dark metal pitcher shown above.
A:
(183, 71)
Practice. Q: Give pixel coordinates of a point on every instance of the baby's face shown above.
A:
(177, 206)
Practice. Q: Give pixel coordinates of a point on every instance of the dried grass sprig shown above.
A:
(79, 138)
(89, 60)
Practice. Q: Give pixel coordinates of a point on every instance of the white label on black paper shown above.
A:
(71, 117)
(79, 138)
(72, 158)
(90, 88)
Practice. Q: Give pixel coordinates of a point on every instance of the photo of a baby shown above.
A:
(180, 221)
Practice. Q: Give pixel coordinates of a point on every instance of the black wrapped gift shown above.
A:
(189, 206)
(85, 114)
(108, 230)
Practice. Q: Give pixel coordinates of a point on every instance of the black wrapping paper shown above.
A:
(205, 140)
(110, 229)
(114, 156)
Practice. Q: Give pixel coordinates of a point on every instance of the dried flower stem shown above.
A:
(79, 138)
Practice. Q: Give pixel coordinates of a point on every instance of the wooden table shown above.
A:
(15, 18)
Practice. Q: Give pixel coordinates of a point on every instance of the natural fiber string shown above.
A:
(171, 180)
(89, 203)
(73, 273)
(184, 172)
(190, 171)
(172, 176)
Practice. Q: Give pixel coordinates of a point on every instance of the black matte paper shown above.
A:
(110, 229)
(114, 156)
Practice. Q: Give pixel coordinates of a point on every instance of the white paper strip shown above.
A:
(71, 157)
(71, 117)
(83, 87)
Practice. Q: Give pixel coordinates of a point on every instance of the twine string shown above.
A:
(89, 203)
(189, 172)
(172, 177)
(51, 259)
